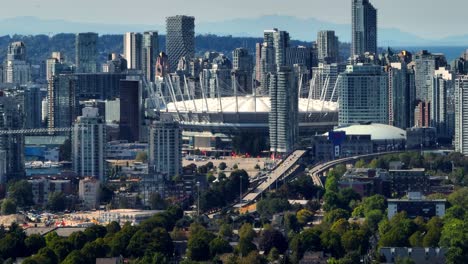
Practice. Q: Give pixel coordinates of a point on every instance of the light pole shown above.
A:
(198, 198)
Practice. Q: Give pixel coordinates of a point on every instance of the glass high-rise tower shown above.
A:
(364, 28)
(86, 53)
(180, 39)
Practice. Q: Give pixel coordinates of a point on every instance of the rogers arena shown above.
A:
(229, 116)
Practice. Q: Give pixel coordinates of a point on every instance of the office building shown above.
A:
(16, 69)
(401, 93)
(88, 144)
(88, 192)
(283, 117)
(11, 145)
(325, 78)
(32, 105)
(242, 71)
(86, 53)
(327, 47)
(129, 125)
(425, 66)
(416, 205)
(300, 55)
(115, 64)
(149, 53)
(165, 150)
(461, 114)
(180, 39)
(414, 180)
(442, 103)
(62, 101)
(132, 46)
(363, 93)
(419, 255)
(364, 28)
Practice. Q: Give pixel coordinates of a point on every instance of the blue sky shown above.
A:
(425, 18)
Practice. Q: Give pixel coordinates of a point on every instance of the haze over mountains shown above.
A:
(301, 29)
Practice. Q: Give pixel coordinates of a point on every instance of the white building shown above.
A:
(88, 144)
(88, 191)
(442, 102)
(363, 93)
(461, 114)
(165, 149)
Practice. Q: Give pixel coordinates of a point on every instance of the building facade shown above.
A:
(165, 150)
(364, 28)
(363, 93)
(327, 47)
(86, 53)
(88, 145)
(461, 114)
(180, 39)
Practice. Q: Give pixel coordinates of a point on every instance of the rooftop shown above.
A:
(376, 131)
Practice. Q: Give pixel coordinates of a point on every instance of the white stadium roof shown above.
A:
(376, 131)
(246, 104)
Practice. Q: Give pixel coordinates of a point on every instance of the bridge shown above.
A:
(35, 131)
(287, 167)
(317, 171)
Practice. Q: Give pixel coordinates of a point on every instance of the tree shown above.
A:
(219, 246)
(360, 164)
(336, 214)
(416, 239)
(157, 202)
(142, 156)
(331, 243)
(105, 193)
(112, 228)
(57, 202)
(198, 245)
(33, 243)
(304, 216)
(75, 257)
(78, 240)
(8, 207)
(373, 219)
(271, 238)
(21, 192)
(246, 236)
(355, 240)
(340, 226)
(222, 166)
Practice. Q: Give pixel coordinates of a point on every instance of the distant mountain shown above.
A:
(300, 29)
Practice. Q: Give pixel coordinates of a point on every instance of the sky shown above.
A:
(425, 18)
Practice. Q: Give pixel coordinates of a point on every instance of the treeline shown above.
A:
(39, 47)
(147, 241)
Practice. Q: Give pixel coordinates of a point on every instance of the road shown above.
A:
(289, 164)
(321, 168)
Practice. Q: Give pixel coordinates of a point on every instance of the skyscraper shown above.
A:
(11, 145)
(324, 80)
(461, 114)
(242, 70)
(149, 53)
(129, 125)
(180, 39)
(16, 69)
(86, 54)
(442, 103)
(401, 92)
(328, 47)
(283, 116)
(132, 47)
(32, 104)
(426, 64)
(364, 28)
(363, 93)
(62, 100)
(115, 64)
(165, 150)
(88, 144)
(283, 122)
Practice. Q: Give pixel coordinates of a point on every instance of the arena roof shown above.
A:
(376, 131)
(246, 104)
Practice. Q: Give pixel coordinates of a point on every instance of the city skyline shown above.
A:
(408, 19)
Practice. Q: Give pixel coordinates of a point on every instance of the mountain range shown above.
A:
(300, 29)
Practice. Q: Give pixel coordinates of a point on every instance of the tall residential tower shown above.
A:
(364, 28)
(180, 39)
